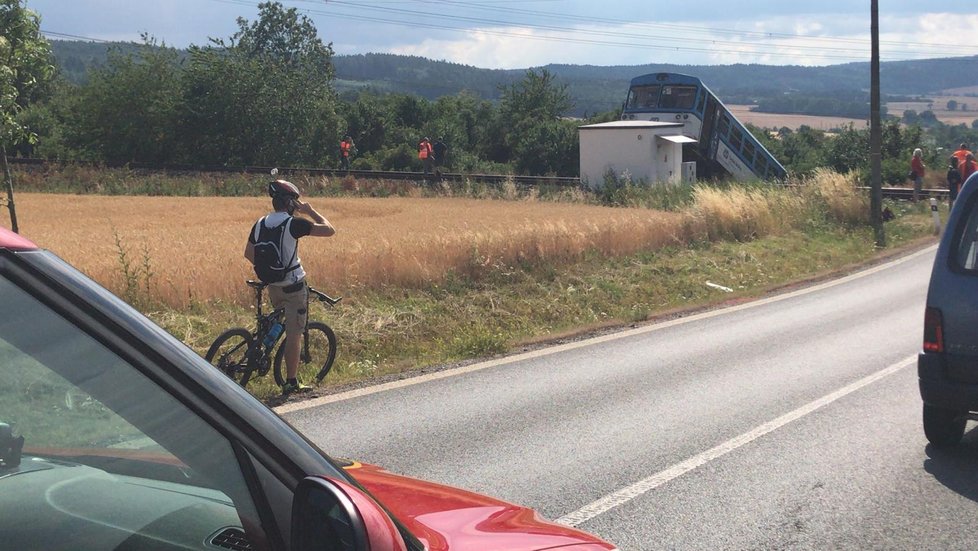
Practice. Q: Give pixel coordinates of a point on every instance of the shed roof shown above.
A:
(677, 139)
(630, 124)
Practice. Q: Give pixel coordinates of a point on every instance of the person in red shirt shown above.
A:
(917, 170)
(969, 168)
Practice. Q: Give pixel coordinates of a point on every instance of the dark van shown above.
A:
(948, 365)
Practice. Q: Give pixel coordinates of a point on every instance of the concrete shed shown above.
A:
(650, 151)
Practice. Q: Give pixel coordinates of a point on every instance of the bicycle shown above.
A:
(240, 353)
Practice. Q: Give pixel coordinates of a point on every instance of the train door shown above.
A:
(709, 122)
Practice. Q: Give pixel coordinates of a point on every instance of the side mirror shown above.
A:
(330, 515)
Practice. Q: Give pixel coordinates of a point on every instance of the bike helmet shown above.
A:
(282, 188)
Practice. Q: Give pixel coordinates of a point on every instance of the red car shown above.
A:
(116, 436)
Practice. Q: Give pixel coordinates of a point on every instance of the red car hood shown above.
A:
(446, 518)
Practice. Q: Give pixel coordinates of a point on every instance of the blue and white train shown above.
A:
(723, 145)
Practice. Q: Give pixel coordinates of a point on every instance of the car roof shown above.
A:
(12, 241)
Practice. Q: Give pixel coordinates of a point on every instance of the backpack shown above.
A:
(270, 267)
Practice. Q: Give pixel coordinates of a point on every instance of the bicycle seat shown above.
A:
(257, 284)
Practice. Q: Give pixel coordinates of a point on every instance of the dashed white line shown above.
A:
(646, 485)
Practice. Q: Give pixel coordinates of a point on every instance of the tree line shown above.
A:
(268, 96)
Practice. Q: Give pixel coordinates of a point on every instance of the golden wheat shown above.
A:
(181, 250)
(192, 248)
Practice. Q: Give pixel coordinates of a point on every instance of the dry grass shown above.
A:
(191, 249)
(181, 251)
(838, 192)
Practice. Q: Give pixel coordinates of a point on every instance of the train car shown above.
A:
(723, 145)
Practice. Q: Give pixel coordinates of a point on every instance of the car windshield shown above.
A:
(93, 454)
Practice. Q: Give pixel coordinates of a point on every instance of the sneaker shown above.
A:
(289, 388)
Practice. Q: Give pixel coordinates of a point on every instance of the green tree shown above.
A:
(529, 131)
(127, 112)
(265, 96)
(26, 66)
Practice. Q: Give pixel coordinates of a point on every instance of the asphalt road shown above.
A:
(787, 423)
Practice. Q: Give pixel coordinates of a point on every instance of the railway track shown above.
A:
(335, 173)
(523, 181)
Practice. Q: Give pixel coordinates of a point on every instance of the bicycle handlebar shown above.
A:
(325, 298)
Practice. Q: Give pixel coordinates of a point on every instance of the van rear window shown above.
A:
(966, 248)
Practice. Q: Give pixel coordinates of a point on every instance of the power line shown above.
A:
(71, 36)
(743, 48)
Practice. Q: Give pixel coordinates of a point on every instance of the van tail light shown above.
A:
(933, 330)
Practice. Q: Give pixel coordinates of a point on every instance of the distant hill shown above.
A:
(595, 89)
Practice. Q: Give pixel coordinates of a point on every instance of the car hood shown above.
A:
(446, 518)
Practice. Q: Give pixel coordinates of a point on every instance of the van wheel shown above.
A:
(943, 427)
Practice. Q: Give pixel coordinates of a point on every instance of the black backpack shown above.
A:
(269, 265)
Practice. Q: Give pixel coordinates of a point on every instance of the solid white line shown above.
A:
(316, 402)
(646, 485)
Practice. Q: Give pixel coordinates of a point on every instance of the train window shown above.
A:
(700, 103)
(724, 125)
(678, 97)
(736, 139)
(749, 152)
(643, 97)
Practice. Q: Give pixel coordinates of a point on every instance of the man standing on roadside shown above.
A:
(273, 249)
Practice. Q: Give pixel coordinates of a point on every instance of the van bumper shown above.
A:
(937, 390)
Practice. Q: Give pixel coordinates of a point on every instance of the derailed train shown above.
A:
(723, 145)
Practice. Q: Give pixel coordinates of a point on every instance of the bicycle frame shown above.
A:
(258, 357)
(324, 298)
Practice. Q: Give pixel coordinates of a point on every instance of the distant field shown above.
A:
(794, 122)
(966, 112)
(192, 248)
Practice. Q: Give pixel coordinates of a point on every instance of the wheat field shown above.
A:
(183, 250)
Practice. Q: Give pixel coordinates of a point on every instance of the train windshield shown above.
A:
(678, 97)
(643, 97)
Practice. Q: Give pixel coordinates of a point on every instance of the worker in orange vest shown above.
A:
(425, 153)
(962, 154)
(346, 149)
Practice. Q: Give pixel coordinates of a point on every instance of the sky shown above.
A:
(518, 34)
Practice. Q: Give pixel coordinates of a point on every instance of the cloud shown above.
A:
(778, 40)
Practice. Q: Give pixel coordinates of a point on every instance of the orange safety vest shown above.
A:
(345, 148)
(424, 150)
(962, 155)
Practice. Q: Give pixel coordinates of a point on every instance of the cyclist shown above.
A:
(290, 292)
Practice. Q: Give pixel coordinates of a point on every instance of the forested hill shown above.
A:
(598, 88)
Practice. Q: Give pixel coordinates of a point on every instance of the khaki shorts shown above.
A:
(295, 304)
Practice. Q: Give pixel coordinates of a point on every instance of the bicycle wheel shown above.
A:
(229, 354)
(318, 352)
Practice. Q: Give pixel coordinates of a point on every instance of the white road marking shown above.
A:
(339, 397)
(646, 485)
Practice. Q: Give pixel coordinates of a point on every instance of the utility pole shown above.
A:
(10, 189)
(875, 133)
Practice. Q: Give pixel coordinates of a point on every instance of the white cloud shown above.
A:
(779, 40)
